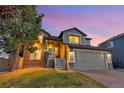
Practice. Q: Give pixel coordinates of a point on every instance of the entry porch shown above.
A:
(51, 53)
(56, 53)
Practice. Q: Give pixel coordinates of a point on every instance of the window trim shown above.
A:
(76, 35)
(73, 57)
(63, 38)
(110, 44)
(34, 58)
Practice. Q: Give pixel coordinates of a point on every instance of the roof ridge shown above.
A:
(112, 38)
(71, 29)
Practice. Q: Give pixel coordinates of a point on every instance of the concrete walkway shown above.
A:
(110, 78)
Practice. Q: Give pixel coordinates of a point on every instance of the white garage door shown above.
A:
(90, 60)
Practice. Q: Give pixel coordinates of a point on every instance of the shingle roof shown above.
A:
(88, 38)
(87, 47)
(113, 38)
(72, 29)
(53, 38)
(46, 32)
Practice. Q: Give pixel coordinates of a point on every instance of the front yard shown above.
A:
(37, 77)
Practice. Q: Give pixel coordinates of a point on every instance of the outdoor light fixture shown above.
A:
(37, 45)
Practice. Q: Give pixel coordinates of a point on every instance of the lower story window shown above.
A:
(72, 56)
(35, 55)
(109, 58)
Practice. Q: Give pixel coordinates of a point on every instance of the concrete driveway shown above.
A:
(110, 78)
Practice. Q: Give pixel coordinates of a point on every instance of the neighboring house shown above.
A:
(116, 44)
(70, 50)
(2, 53)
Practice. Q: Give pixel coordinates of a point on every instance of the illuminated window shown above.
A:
(72, 57)
(50, 47)
(74, 39)
(35, 55)
(109, 58)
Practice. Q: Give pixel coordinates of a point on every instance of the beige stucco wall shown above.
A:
(62, 50)
(67, 56)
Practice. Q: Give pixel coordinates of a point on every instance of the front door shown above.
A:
(53, 49)
(53, 52)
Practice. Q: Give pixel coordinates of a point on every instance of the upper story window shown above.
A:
(74, 39)
(110, 44)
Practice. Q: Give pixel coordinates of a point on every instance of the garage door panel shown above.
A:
(90, 60)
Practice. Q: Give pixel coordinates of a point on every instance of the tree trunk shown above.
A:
(11, 60)
(15, 63)
(23, 55)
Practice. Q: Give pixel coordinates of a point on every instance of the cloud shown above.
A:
(98, 23)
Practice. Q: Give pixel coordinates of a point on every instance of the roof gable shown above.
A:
(74, 28)
(113, 38)
(46, 32)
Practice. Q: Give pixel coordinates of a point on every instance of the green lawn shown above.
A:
(36, 78)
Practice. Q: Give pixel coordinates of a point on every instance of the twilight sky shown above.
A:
(98, 22)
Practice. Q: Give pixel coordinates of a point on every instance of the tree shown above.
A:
(19, 27)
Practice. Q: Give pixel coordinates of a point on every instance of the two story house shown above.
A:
(71, 50)
(116, 44)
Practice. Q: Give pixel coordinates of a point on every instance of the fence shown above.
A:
(4, 65)
(10, 64)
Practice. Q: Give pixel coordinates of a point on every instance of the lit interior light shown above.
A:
(109, 55)
(37, 51)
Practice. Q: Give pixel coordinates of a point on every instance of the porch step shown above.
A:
(60, 63)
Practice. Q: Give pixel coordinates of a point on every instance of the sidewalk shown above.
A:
(110, 78)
